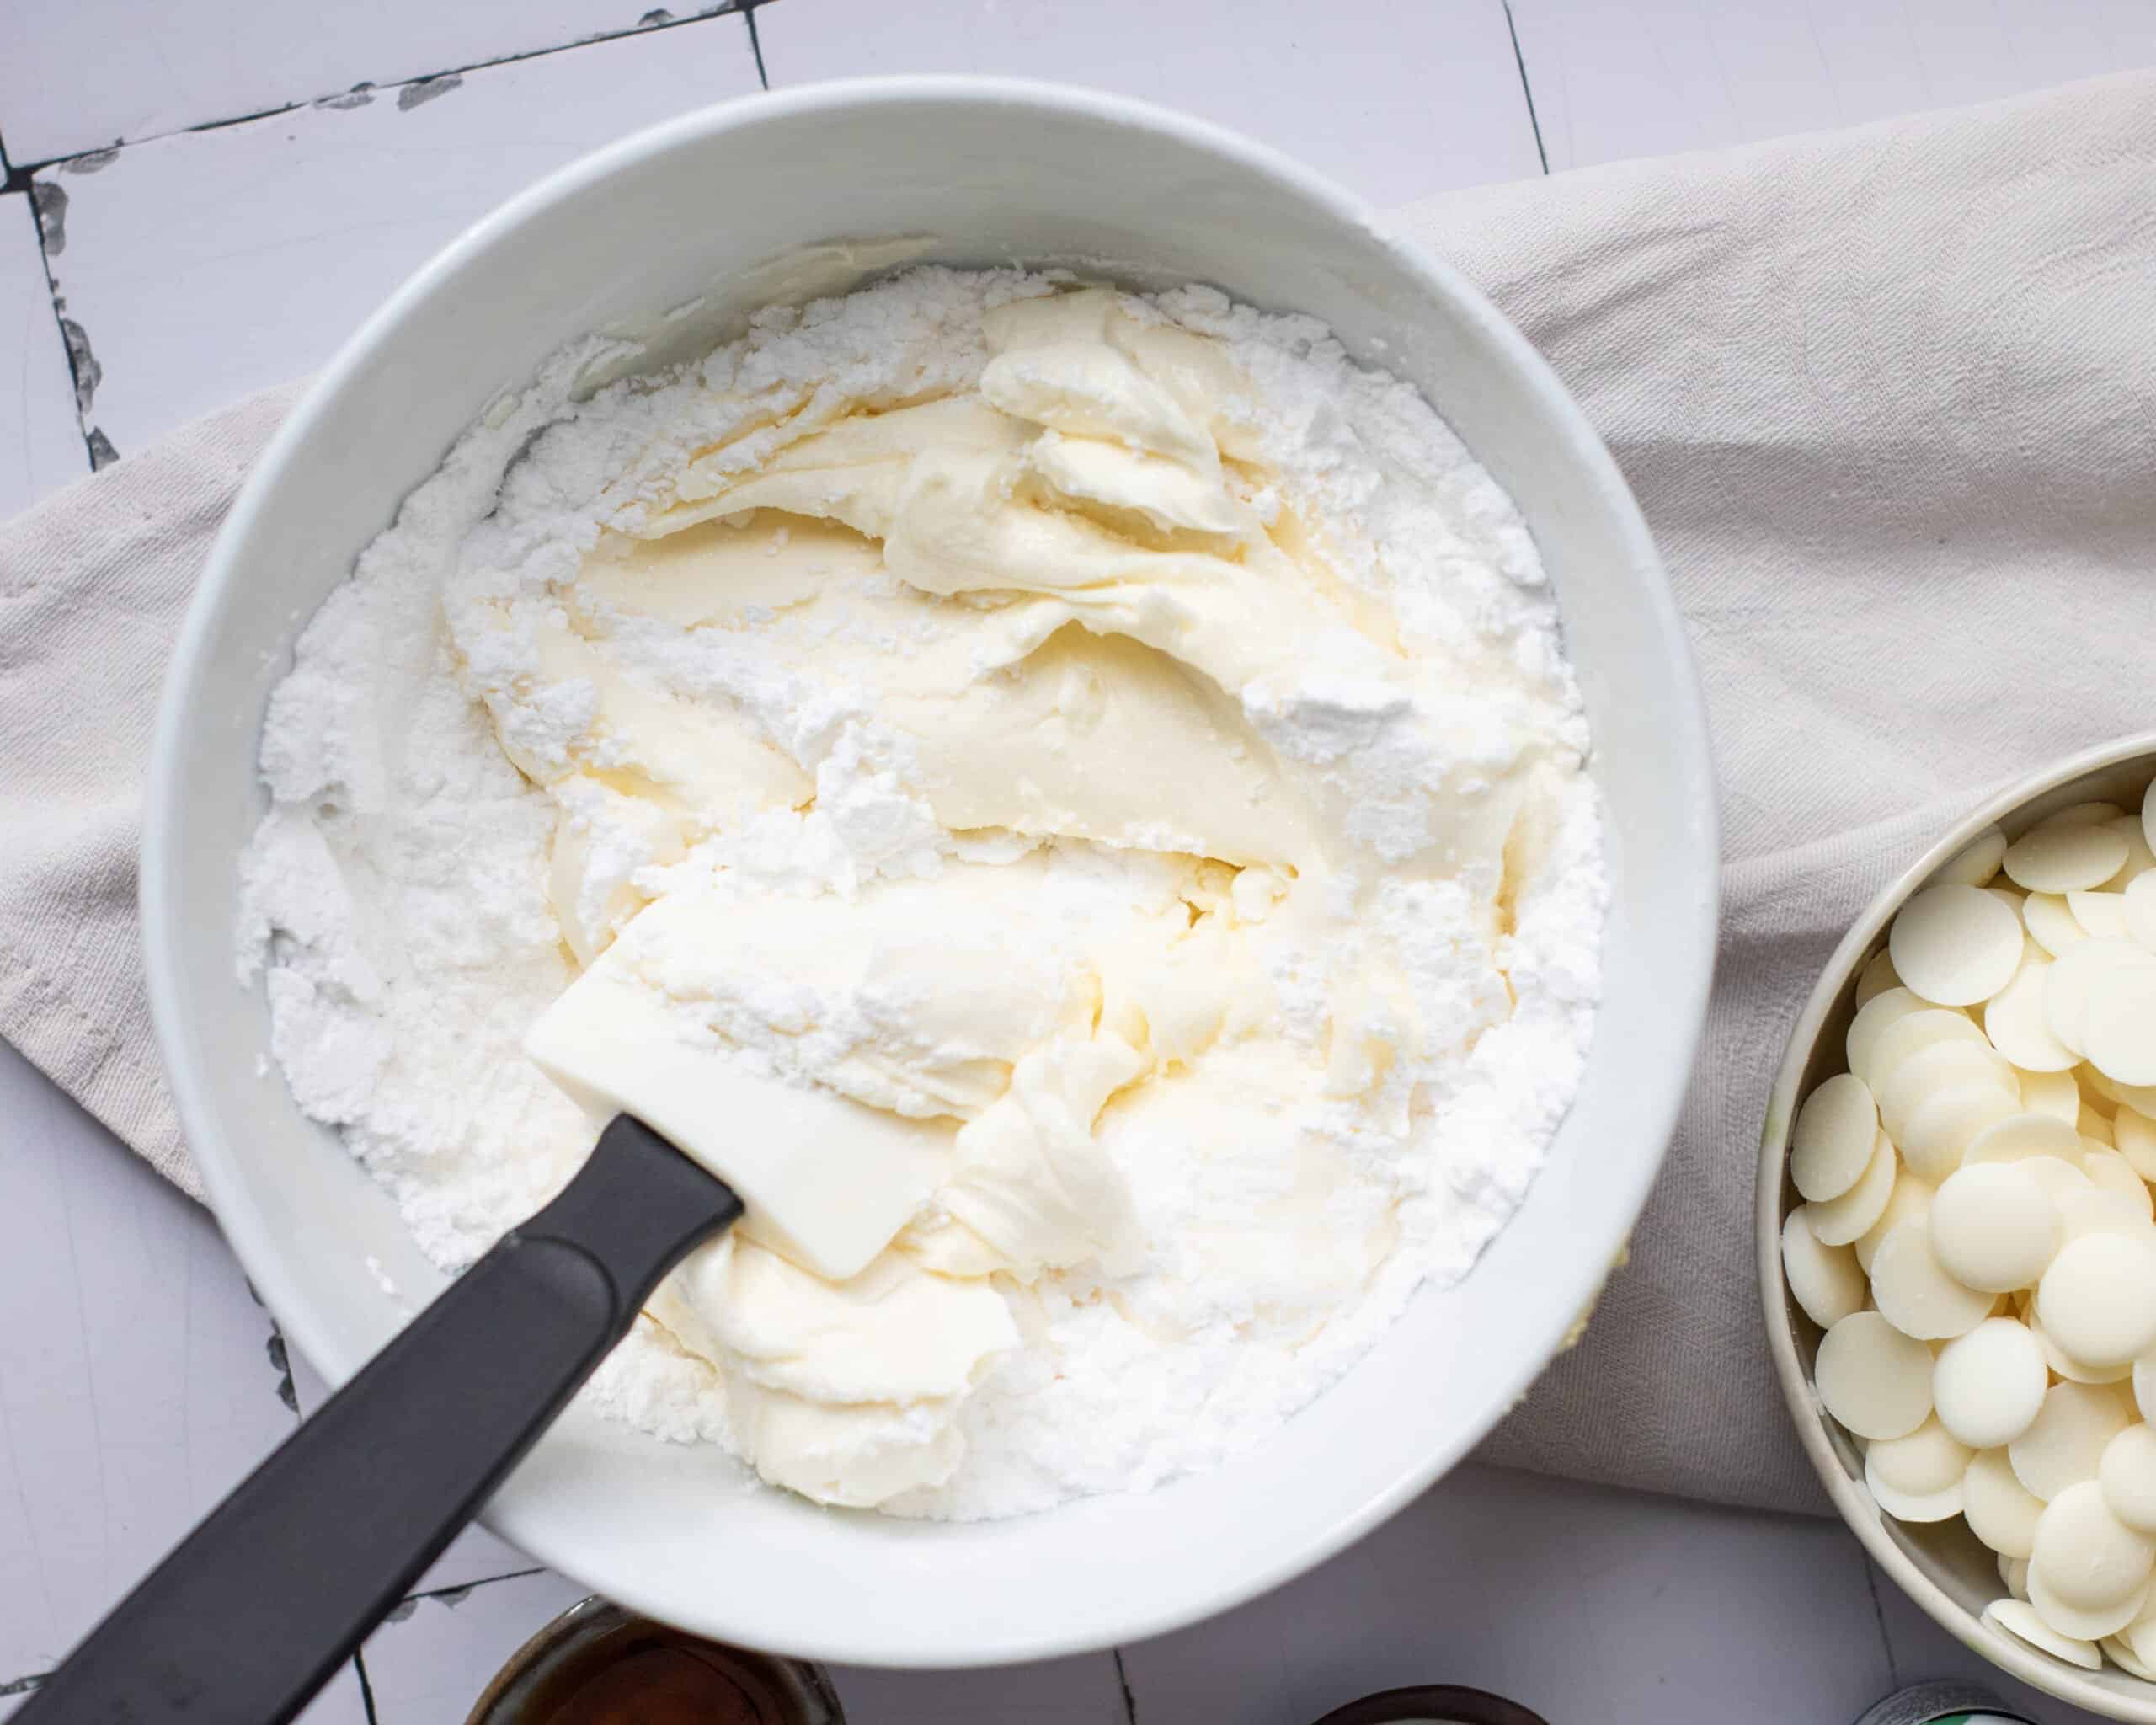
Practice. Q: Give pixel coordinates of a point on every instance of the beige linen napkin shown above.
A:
(1888, 398)
(94, 583)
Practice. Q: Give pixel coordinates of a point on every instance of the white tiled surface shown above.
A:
(139, 1380)
(292, 228)
(41, 443)
(89, 74)
(1394, 101)
(1612, 81)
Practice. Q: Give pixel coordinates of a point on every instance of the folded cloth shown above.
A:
(93, 584)
(1888, 399)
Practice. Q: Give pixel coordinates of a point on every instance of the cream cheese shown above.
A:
(1117, 737)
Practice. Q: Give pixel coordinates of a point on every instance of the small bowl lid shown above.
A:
(1432, 1704)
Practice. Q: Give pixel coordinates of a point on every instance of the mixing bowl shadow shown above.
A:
(668, 238)
(1940, 1565)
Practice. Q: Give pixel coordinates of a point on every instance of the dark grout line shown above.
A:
(748, 10)
(82, 370)
(1512, 29)
(1879, 1617)
(20, 175)
(1123, 1683)
(462, 1587)
(281, 1362)
(366, 1689)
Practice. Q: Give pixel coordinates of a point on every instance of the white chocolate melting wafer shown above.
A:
(1919, 1477)
(2112, 1094)
(2086, 1556)
(1941, 1505)
(1873, 1019)
(2024, 1134)
(2101, 912)
(2120, 1652)
(2093, 812)
(1915, 1294)
(2000, 1509)
(2054, 1093)
(1993, 1227)
(1876, 978)
(1877, 1382)
(2098, 1298)
(2087, 1622)
(2018, 1618)
(2139, 858)
(2057, 859)
(2110, 1171)
(2075, 977)
(2052, 923)
(2134, 1133)
(1953, 1064)
(2015, 1020)
(2127, 1474)
(2139, 901)
(1974, 864)
(1836, 1132)
(1910, 1201)
(1912, 1035)
(2093, 1209)
(2118, 1027)
(1988, 1386)
(1957, 945)
(1825, 1280)
(1840, 1221)
(2066, 1440)
(1936, 1137)
(1927, 1460)
(2074, 1371)
(2057, 1174)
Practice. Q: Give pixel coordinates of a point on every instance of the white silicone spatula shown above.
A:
(271, 1593)
(826, 1180)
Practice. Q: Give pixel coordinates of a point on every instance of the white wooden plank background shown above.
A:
(40, 444)
(276, 239)
(91, 73)
(214, 253)
(1394, 101)
(1646, 78)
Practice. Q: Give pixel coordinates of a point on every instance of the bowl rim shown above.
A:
(1658, 1095)
(1854, 1504)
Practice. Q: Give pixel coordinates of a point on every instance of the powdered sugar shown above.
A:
(406, 899)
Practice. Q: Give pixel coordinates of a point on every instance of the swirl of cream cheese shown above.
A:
(1017, 758)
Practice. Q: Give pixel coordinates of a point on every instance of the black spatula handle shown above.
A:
(252, 1613)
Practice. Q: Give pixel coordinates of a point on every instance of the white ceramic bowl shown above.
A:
(766, 198)
(1940, 1565)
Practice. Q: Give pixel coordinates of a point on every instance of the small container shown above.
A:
(1954, 1703)
(1432, 1704)
(597, 1665)
(1940, 1565)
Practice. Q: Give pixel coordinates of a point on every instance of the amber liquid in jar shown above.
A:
(600, 1666)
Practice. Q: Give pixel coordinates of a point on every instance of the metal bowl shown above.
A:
(1942, 1566)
